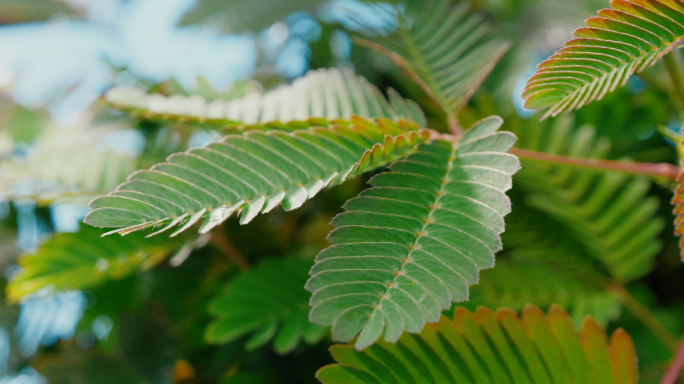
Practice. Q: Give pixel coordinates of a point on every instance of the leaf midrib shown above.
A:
(426, 221)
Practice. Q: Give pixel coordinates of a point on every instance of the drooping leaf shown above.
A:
(488, 347)
(440, 46)
(603, 55)
(407, 248)
(323, 93)
(252, 173)
(83, 259)
(269, 301)
(610, 213)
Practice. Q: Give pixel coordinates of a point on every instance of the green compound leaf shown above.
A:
(407, 248)
(269, 302)
(610, 212)
(488, 347)
(82, 260)
(323, 93)
(252, 173)
(440, 46)
(618, 43)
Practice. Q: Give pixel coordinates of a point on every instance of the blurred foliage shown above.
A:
(150, 325)
(82, 260)
(245, 15)
(270, 301)
(16, 11)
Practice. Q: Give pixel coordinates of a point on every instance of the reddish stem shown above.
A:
(663, 170)
(676, 367)
(221, 241)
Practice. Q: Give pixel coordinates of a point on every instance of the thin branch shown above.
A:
(221, 241)
(663, 170)
(454, 128)
(675, 368)
(647, 318)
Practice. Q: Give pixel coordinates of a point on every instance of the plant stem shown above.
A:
(647, 318)
(673, 63)
(663, 170)
(454, 128)
(221, 241)
(675, 368)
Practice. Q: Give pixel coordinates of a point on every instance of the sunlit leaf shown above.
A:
(324, 93)
(616, 44)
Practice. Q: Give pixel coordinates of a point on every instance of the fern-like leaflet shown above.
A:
(488, 347)
(406, 249)
(439, 46)
(323, 93)
(253, 172)
(268, 300)
(618, 43)
(602, 210)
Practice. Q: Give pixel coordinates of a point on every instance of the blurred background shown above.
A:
(60, 145)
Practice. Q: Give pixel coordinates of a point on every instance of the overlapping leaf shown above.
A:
(324, 93)
(612, 47)
(406, 249)
(82, 260)
(488, 347)
(252, 173)
(611, 213)
(440, 46)
(270, 302)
